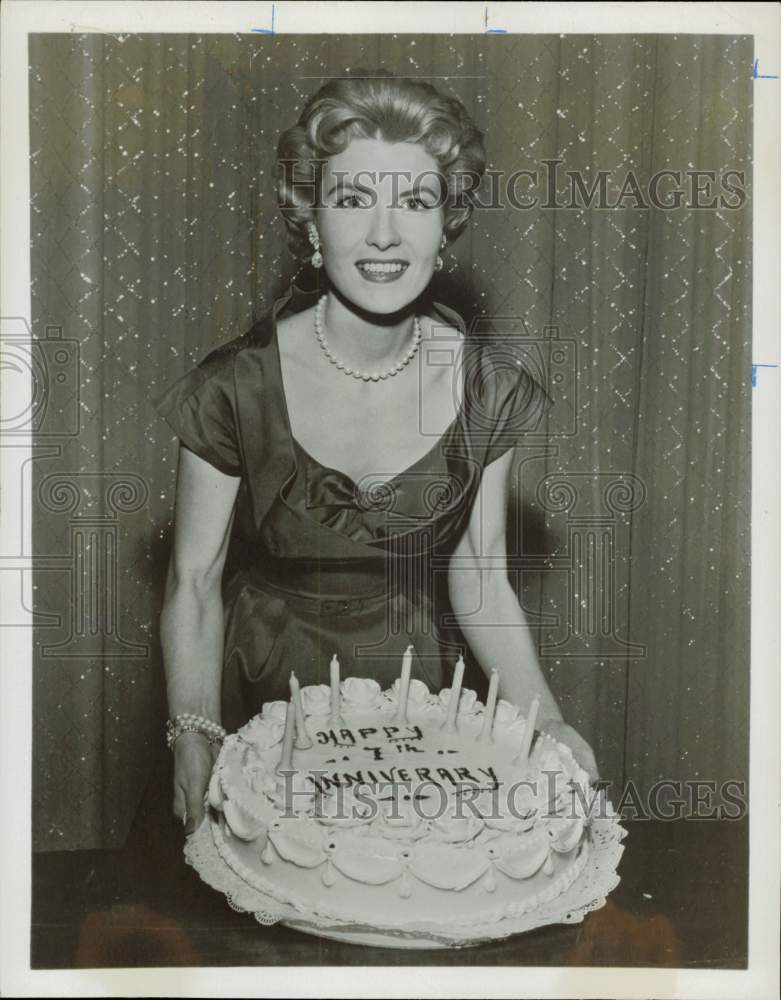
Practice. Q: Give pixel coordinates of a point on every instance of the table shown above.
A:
(682, 902)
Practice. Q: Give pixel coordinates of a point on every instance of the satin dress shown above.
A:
(319, 564)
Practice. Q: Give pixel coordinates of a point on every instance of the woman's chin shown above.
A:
(381, 298)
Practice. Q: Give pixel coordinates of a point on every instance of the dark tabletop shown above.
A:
(682, 902)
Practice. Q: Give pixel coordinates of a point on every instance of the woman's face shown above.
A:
(380, 222)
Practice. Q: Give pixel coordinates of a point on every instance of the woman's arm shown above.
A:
(488, 611)
(191, 621)
(490, 615)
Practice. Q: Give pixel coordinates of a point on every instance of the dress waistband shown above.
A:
(324, 589)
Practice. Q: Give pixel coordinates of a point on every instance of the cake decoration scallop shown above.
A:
(215, 794)
(446, 866)
(367, 859)
(241, 824)
(520, 857)
(565, 833)
(299, 841)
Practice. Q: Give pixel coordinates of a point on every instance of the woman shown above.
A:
(313, 516)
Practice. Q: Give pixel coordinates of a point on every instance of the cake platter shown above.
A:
(597, 877)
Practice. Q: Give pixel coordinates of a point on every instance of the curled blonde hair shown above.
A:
(377, 106)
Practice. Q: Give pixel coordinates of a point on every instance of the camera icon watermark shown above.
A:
(512, 380)
(40, 381)
(41, 402)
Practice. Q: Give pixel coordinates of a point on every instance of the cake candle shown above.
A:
(490, 709)
(336, 717)
(455, 696)
(286, 760)
(528, 734)
(302, 738)
(406, 672)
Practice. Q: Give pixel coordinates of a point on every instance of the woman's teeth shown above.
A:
(382, 268)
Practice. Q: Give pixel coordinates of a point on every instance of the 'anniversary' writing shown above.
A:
(437, 775)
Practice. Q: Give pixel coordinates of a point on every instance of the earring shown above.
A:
(316, 259)
(439, 264)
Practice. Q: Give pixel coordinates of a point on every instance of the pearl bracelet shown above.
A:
(188, 723)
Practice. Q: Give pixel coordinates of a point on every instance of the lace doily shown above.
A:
(586, 893)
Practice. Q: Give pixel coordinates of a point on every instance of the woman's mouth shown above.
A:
(382, 270)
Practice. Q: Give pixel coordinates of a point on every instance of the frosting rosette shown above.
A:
(467, 702)
(361, 694)
(263, 733)
(417, 693)
(316, 699)
(275, 711)
(419, 698)
(506, 713)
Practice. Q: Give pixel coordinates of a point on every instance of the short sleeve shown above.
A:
(512, 399)
(200, 407)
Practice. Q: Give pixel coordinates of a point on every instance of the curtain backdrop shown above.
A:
(155, 238)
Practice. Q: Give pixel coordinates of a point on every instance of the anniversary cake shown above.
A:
(404, 816)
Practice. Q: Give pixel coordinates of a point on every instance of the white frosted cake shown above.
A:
(406, 819)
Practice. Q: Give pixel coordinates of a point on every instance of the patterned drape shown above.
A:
(155, 237)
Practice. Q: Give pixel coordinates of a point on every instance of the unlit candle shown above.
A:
(490, 708)
(336, 718)
(455, 696)
(302, 738)
(528, 734)
(406, 672)
(286, 760)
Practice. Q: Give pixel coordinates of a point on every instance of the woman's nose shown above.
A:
(383, 232)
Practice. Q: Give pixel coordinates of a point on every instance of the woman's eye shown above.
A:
(349, 201)
(415, 202)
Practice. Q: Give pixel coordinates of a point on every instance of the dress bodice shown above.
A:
(308, 542)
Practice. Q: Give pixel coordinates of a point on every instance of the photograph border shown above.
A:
(760, 979)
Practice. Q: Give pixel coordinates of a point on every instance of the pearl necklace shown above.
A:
(356, 373)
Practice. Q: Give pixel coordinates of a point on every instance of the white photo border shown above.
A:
(763, 21)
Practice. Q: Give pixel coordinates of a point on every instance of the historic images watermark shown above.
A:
(550, 187)
(547, 186)
(355, 798)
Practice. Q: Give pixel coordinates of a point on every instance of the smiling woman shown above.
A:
(360, 486)
(380, 243)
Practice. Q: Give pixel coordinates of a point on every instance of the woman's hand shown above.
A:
(581, 751)
(192, 620)
(194, 759)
